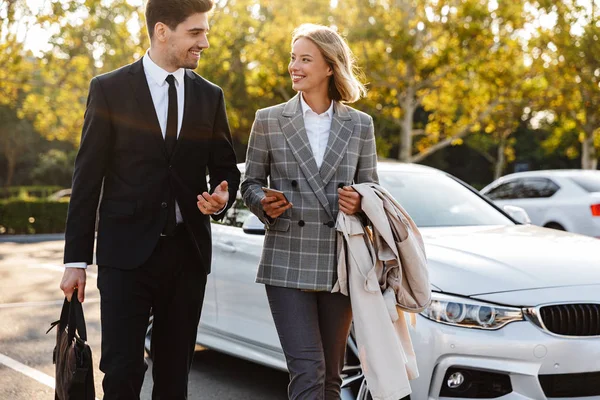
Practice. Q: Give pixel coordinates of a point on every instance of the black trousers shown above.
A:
(171, 283)
(313, 328)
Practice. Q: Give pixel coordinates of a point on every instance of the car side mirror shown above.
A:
(253, 226)
(518, 214)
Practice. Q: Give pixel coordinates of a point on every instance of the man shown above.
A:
(151, 130)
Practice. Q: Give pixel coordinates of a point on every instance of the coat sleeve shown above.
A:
(90, 165)
(257, 169)
(222, 162)
(366, 170)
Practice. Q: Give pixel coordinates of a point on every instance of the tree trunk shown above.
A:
(11, 163)
(408, 107)
(500, 156)
(589, 158)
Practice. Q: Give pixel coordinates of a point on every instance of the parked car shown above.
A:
(61, 195)
(567, 200)
(515, 311)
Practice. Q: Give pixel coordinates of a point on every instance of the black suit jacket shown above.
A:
(122, 145)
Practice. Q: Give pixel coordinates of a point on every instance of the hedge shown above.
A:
(24, 192)
(32, 216)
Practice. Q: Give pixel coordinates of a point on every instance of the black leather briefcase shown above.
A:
(72, 355)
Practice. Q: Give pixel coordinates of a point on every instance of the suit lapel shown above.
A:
(341, 131)
(292, 126)
(149, 120)
(189, 81)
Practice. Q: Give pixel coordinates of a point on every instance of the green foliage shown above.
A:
(55, 167)
(32, 216)
(440, 73)
(28, 192)
(568, 55)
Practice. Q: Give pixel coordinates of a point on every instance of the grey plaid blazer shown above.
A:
(300, 245)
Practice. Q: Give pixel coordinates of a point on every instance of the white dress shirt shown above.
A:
(159, 90)
(317, 128)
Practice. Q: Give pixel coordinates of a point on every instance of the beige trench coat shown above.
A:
(384, 270)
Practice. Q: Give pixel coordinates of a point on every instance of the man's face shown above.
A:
(187, 41)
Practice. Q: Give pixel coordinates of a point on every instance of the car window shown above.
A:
(589, 183)
(237, 214)
(506, 191)
(436, 200)
(535, 188)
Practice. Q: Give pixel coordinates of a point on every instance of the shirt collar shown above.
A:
(158, 74)
(306, 107)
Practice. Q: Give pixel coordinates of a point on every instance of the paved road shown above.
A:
(30, 271)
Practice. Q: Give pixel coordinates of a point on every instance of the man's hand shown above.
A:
(274, 207)
(349, 200)
(209, 204)
(73, 278)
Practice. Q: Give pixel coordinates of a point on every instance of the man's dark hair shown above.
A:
(173, 12)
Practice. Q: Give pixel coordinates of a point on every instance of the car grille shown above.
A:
(571, 385)
(572, 319)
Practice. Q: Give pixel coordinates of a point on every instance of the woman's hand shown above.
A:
(349, 200)
(274, 207)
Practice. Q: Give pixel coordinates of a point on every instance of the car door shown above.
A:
(242, 306)
(530, 193)
(534, 198)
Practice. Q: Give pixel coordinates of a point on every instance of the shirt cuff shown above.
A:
(76, 265)
(221, 210)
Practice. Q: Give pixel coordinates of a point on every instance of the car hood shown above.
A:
(472, 261)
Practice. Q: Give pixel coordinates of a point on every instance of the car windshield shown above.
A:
(588, 182)
(436, 200)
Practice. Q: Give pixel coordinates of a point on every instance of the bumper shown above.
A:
(520, 350)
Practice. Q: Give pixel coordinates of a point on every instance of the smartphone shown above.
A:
(275, 193)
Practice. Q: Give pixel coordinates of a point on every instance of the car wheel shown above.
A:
(354, 384)
(554, 225)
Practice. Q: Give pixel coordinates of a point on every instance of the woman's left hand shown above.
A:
(349, 200)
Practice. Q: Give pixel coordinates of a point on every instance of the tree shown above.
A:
(568, 52)
(92, 37)
(17, 138)
(432, 55)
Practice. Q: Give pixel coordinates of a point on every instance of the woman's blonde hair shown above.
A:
(344, 85)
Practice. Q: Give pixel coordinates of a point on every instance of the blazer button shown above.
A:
(341, 185)
(301, 223)
(294, 183)
(163, 204)
(330, 224)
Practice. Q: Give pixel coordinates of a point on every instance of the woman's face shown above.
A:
(309, 71)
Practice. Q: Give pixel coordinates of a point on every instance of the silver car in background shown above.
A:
(567, 200)
(515, 311)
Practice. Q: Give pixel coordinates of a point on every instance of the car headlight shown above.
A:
(467, 313)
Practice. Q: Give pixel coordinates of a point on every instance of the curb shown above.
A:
(45, 237)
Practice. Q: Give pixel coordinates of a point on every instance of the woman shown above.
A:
(310, 148)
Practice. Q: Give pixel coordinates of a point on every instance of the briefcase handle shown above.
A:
(72, 315)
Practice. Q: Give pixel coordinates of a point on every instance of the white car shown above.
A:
(567, 200)
(515, 311)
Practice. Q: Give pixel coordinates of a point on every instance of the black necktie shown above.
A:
(170, 141)
(171, 136)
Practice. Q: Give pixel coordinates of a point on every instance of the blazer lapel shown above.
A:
(341, 131)
(292, 126)
(189, 81)
(149, 120)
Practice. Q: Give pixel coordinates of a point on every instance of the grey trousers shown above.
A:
(313, 328)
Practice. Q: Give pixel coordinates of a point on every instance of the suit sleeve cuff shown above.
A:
(221, 210)
(76, 265)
